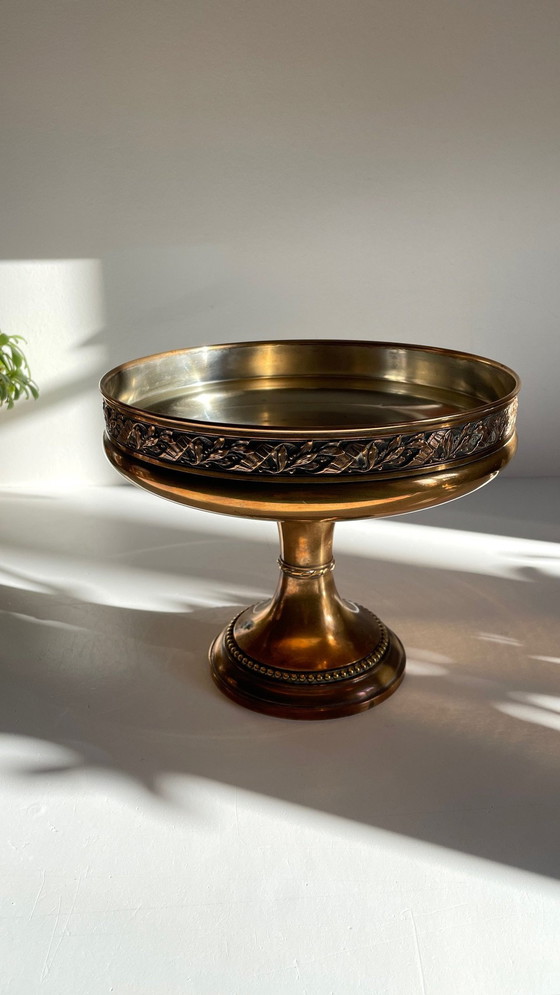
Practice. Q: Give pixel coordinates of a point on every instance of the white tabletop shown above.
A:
(158, 839)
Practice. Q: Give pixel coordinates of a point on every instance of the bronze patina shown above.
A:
(308, 433)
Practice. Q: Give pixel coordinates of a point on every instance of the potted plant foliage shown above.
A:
(15, 375)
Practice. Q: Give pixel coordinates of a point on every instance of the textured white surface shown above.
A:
(156, 838)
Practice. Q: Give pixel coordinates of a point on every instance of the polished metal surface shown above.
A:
(309, 433)
(326, 499)
(224, 372)
(309, 409)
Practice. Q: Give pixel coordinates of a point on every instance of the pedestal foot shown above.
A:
(308, 694)
(307, 653)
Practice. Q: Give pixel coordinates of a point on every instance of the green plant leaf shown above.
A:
(15, 375)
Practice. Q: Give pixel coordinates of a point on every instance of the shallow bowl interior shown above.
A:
(322, 385)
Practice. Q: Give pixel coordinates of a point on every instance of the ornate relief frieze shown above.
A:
(321, 457)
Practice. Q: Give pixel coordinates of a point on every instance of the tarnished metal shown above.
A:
(348, 430)
(309, 409)
(308, 458)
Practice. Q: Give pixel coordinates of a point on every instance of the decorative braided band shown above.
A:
(303, 572)
(313, 457)
(309, 676)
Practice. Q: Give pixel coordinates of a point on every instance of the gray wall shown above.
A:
(200, 171)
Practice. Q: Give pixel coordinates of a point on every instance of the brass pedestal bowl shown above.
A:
(308, 433)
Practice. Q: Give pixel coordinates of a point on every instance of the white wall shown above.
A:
(184, 171)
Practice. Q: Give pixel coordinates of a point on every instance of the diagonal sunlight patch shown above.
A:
(120, 586)
(469, 552)
(494, 637)
(548, 701)
(426, 663)
(389, 540)
(381, 539)
(530, 713)
(539, 709)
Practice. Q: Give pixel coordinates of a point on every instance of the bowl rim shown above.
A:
(228, 429)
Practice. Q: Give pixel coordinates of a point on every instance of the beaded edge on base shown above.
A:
(308, 676)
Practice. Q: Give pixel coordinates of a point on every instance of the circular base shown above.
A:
(310, 694)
